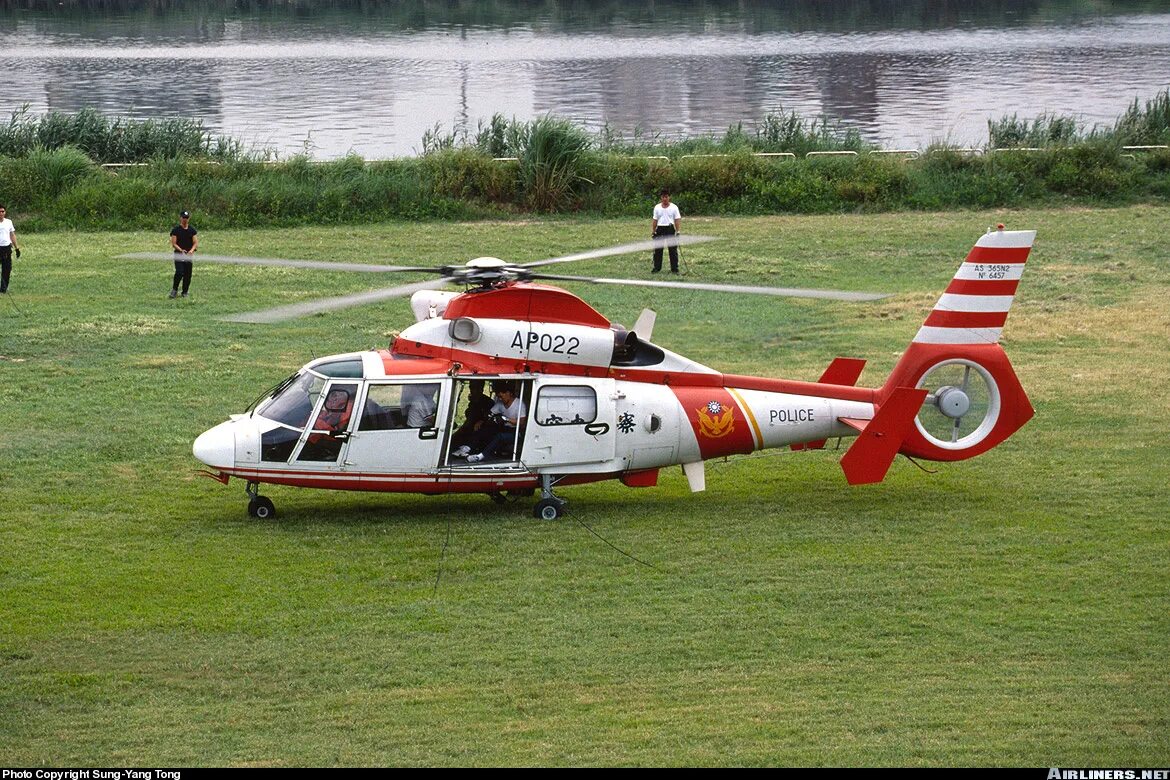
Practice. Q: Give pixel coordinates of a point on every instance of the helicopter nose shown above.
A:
(217, 447)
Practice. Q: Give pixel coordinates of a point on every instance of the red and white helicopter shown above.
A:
(597, 401)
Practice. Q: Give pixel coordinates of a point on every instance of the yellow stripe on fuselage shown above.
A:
(747, 411)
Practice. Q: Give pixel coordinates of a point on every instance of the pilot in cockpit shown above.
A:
(335, 413)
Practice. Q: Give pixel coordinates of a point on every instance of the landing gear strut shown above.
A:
(260, 507)
(550, 506)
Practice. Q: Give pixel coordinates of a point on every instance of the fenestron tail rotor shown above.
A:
(961, 405)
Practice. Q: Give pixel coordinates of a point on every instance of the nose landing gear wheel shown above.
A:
(262, 508)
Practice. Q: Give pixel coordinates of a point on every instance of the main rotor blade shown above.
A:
(294, 310)
(276, 261)
(787, 292)
(624, 249)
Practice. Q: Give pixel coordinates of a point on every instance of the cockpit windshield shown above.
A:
(293, 404)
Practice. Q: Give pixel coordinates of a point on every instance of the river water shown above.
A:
(334, 77)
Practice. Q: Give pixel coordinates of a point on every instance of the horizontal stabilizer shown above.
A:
(842, 371)
(855, 424)
(870, 456)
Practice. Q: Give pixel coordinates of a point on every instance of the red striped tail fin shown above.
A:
(974, 308)
(974, 399)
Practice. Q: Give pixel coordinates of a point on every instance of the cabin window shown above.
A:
(390, 407)
(566, 405)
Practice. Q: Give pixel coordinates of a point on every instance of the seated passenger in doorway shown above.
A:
(511, 412)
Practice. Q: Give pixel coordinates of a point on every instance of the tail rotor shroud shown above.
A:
(962, 404)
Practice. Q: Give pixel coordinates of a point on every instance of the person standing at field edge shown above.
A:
(184, 240)
(7, 244)
(666, 222)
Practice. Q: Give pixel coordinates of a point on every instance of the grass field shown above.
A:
(1013, 609)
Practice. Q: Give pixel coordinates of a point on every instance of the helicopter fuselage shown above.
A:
(601, 404)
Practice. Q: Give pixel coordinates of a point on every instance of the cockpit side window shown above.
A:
(336, 410)
(322, 443)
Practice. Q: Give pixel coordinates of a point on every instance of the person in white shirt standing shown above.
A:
(7, 245)
(666, 222)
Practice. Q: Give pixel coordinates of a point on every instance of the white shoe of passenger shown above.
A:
(476, 458)
(462, 452)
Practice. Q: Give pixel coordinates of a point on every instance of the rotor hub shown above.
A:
(952, 402)
(485, 272)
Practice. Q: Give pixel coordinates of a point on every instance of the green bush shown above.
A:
(560, 169)
(473, 175)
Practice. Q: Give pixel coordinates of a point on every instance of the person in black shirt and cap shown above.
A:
(184, 240)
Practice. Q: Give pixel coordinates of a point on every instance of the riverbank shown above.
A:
(787, 165)
(65, 190)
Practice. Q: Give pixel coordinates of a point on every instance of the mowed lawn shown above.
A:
(1013, 609)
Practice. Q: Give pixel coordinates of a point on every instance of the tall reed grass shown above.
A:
(1142, 124)
(113, 140)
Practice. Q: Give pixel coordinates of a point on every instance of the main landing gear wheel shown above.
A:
(262, 508)
(549, 508)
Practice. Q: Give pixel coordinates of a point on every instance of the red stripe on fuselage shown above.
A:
(815, 389)
(427, 484)
(389, 483)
